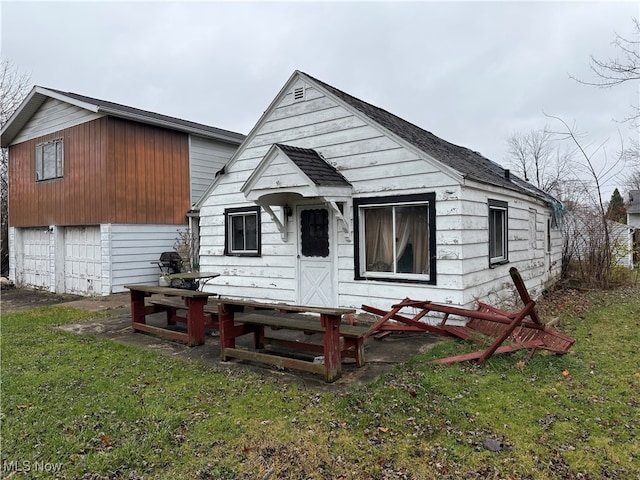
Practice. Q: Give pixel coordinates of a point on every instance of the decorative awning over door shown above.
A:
(286, 173)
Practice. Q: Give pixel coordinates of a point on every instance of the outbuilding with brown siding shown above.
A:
(98, 190)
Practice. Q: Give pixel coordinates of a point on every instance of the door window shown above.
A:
(315, 232)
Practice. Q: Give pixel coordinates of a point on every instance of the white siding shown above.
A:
(527, 221)
(54, 116)
(206, 157)
(372, 162)
(89, 260)
(132, 250)
(12, 254)
(375, 165)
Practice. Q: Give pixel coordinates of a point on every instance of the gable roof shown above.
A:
(39, 95)
(314, 166)
(470, 164)
(296, 171)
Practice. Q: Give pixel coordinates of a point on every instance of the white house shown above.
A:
(333, 201)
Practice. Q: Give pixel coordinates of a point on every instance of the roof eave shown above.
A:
(168, 124)
(28, 108)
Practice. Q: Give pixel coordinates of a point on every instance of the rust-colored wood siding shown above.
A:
(115, 171)
(148, 168)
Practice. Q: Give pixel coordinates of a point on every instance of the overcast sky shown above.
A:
(472, 73)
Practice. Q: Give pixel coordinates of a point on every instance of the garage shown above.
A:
(82, 260)
(36, 258)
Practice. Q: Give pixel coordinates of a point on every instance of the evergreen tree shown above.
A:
(616, 210)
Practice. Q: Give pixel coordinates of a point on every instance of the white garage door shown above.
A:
(36, 265)
(82, 261)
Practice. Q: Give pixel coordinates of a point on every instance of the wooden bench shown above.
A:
(338, 340)
(193, 302)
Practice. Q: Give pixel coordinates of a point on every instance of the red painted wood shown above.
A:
(195, 320)
(226, 328)
(331, 342)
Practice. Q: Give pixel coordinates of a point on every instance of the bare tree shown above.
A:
(616, 71)
(14, 87)
(539, 159)
(632, 160)
(594, 223)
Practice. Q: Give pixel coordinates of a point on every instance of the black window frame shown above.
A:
(229, 214)
(502, 206)
(424, 198)
(58, 159)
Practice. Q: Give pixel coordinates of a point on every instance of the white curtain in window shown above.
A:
(379, 239)
(411, 229)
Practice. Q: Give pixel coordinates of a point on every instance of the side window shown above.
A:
(49, 160)
(242, 231)
(498, 232)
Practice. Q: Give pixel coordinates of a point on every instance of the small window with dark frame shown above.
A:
(498, 232)
(49, 160)
(548, 234)
(242, 235)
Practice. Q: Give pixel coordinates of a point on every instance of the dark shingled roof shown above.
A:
(314, 166)
(470, 164)
(118, 109)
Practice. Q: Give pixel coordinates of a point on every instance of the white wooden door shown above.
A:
(82, 261)
(316, 257)
(36, 258)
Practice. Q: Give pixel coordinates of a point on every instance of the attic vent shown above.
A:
(298, 93)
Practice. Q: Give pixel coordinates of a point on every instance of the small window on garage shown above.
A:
(49, 160)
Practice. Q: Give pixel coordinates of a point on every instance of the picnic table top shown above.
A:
(173, 292)
(286, 306)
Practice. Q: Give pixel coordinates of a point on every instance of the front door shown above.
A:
(316, 257)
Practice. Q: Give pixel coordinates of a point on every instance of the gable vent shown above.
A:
(298, 93)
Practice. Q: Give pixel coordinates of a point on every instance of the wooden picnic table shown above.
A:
(194, 302)
(240, 317)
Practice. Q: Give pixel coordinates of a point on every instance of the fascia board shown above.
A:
(271, 155)
(19, 111)
(259, 170)
(36, 97)
(489, 187)
(165, 124)
(92, 107)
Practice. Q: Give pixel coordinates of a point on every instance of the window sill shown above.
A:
(498, 263)
(370, 278)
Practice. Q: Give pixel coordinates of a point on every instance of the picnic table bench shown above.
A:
(241, 317)
(192, 301)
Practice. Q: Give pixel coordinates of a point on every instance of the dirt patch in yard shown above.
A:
(21, 299)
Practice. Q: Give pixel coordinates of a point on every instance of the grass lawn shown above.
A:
(80, 407)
